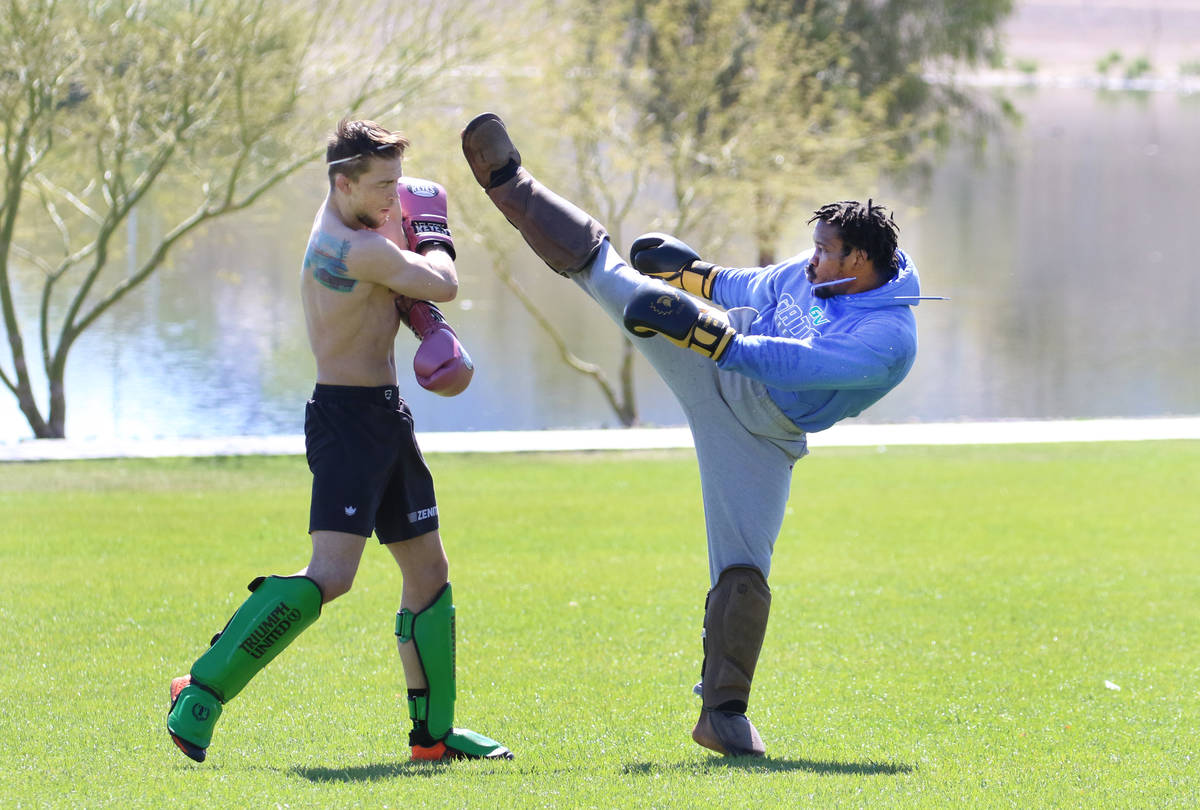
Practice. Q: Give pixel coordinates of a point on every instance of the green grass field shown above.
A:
(947, 628)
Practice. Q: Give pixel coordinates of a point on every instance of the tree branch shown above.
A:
(197, 218)
(590, 369)
(7, 382)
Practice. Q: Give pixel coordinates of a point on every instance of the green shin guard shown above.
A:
(432, 634)
(277, 611)
(433, 735)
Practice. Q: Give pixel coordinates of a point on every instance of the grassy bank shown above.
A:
(984, 626)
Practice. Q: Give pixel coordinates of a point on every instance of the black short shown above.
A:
(368, 473)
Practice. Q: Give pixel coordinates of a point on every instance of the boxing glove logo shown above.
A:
(420, 188)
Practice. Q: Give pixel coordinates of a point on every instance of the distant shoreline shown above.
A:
(527, 441)
(1183, 85)
(1154, 37)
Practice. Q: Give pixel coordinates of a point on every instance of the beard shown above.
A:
(825, 289)
(371, 222)
(828, 289)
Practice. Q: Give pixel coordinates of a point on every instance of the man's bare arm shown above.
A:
(432, 276)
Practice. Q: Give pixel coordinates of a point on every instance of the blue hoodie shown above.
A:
(821, 359)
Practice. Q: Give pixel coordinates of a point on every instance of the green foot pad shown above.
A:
(462, 743)
(194, 714)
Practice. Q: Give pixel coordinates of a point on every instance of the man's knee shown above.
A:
(332, 582)
(334, 562)
(427, 575)
(423, 564)
(438, 570)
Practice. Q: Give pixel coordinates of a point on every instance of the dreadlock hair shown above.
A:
(353, 144)
(869, 228)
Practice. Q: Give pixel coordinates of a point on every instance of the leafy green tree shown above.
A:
(207, 103)
(758, 105)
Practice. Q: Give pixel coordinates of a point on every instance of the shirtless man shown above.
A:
(379, 252)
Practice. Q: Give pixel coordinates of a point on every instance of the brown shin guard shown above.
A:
(735, 622)
(560, 233)
(564, 236)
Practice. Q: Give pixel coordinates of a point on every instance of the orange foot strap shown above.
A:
(177, 685)
(432, 753)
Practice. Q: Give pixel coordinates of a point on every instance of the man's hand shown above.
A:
(656, 310)
(665, 257)
(423, 215)
(441, 364)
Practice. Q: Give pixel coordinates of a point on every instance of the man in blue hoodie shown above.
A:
(789, 349)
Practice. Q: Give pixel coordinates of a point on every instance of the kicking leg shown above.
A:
(565, 237)
(573, 244)
(425, 639)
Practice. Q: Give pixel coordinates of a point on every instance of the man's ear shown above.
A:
(342, 183)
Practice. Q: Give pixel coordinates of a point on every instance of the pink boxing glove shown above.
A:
(441, 364)
(423, 215)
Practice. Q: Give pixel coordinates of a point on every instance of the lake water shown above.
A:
(1067, 250)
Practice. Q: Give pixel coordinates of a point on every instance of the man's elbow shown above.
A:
(445, 290)
(445, 287)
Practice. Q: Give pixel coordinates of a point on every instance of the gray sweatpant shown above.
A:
(745, 445)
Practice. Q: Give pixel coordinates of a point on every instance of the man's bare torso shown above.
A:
(352, 323)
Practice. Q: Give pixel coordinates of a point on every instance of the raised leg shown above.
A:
(563, 235)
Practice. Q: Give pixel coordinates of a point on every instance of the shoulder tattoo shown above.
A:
(326, 260)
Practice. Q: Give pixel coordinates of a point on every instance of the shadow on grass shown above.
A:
(767, 764)
(369, 773)
(392, 770)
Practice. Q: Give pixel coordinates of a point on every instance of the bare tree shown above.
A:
(208, 104)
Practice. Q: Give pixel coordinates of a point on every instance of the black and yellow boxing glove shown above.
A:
(663, 256)
(658, 310)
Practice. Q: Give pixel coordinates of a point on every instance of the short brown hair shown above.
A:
(351, 146)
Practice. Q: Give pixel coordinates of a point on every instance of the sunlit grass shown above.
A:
(950, 627)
